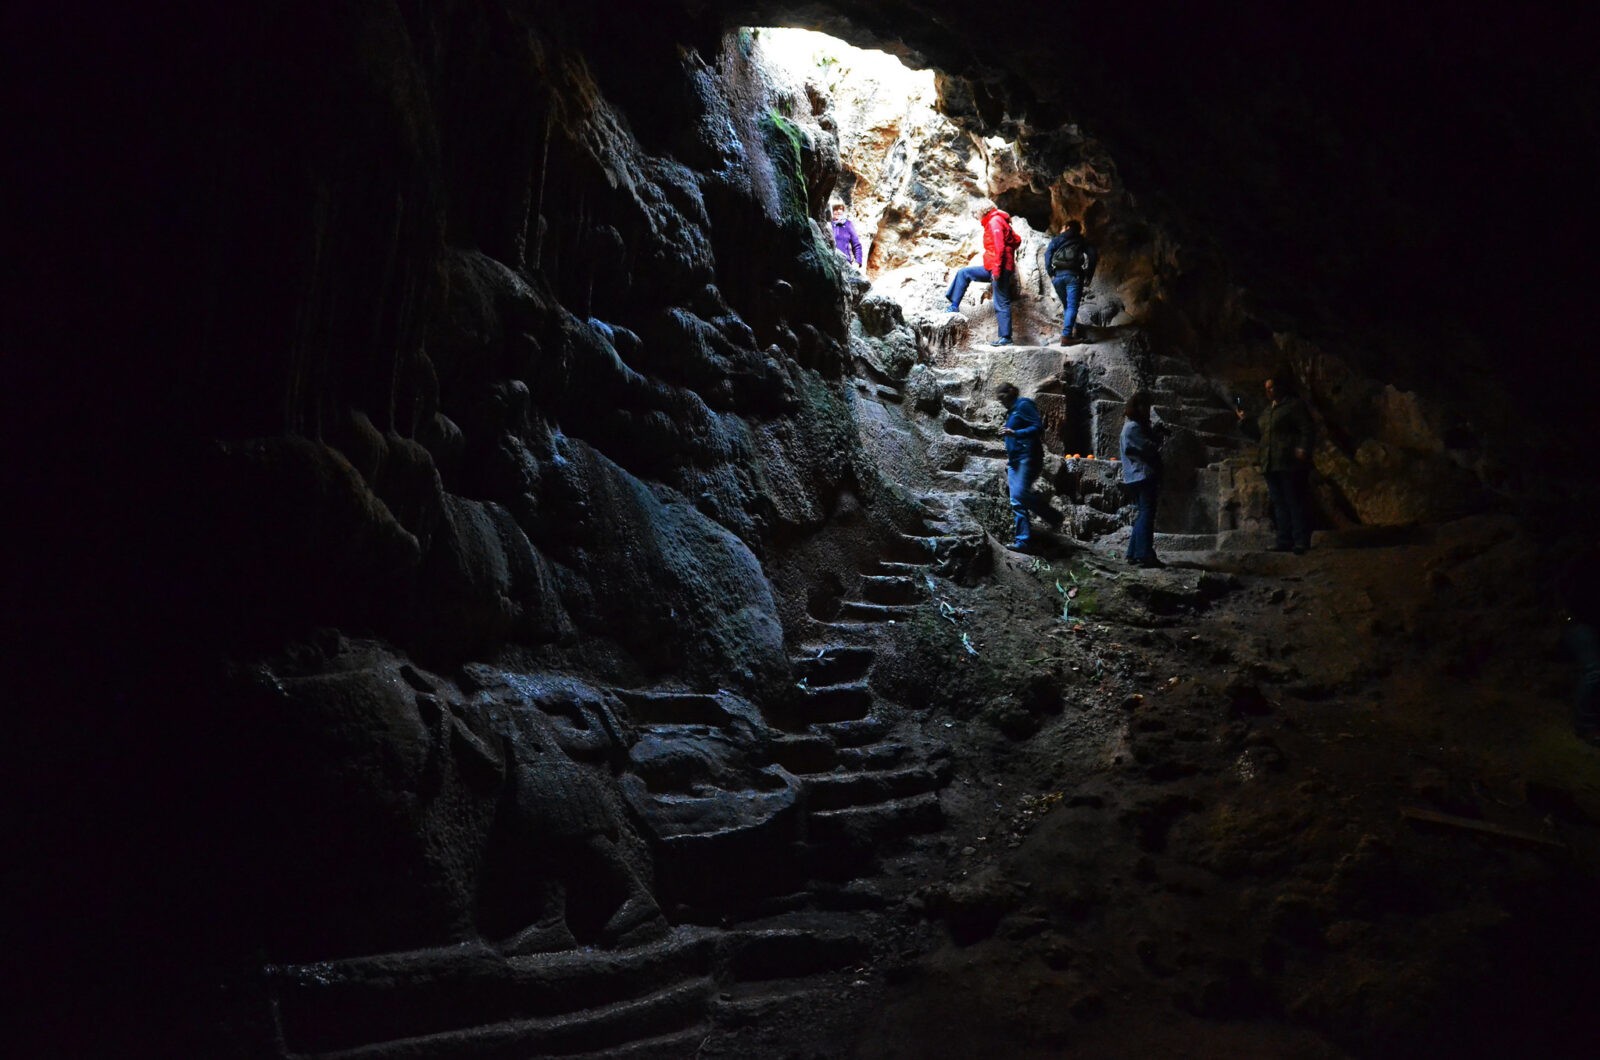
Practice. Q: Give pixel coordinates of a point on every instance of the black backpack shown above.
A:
(1068, 257)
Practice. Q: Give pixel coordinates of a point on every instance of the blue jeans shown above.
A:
(1002, 293)
(1290, 494)
(1142, 542)
(1021, 472)
(1069, 289)
(1583, 643)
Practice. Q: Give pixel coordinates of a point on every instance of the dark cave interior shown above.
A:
(444, 482)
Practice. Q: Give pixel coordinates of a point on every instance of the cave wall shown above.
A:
(421, 372)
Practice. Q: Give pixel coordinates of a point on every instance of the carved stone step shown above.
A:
(1185, 542)
(892, 589)
(687, 819)
(835, 791)
(975, 449)
(758, 1004)
(928, 547)
(805, 753)
(868, 825)
(850, 632)
(1244, 541)
(472, 1001)
(951, 379)
(835, 703)
(862, 611)
(673, 1046)
(835, 664)
(672, 1009)
(889, 568)
(965, 428)
(882, 755)
(855, 732)
(647, 707)
(792, 945)
(972, 480)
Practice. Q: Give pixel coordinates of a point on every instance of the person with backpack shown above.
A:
(1070, 261)
(1000, 243)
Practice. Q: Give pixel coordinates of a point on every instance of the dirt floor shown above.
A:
(1253, 804)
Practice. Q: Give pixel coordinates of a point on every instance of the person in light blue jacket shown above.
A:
(1024, 460)
(1141, 473)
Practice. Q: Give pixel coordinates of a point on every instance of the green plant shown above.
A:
(1079, 600)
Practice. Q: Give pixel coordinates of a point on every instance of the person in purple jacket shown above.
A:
(844, 235)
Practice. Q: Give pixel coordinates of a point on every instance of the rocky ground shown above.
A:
(1249, 805)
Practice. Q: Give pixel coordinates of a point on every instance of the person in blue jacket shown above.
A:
(1070, 261)
(1141, 472)
(1024, 458)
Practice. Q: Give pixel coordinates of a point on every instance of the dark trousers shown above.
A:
(1142, 543)
(1290, 494)
(1583, 643)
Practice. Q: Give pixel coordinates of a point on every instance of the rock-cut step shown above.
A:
(972, 479)
(866, 826)
(833, 703)
(925, 547)
(834, 665)
(473, 1002)
(841, 790)
(1185, 542)
(891, 589)
(651, 707)
(862, 611)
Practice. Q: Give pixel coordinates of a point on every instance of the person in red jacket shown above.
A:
(1000, 243)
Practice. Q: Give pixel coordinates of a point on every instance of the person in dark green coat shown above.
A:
(1286, 434)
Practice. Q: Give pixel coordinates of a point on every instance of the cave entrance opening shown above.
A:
(908, 178)
(906, 175)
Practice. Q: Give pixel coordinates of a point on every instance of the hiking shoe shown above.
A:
(1066, 340)
(1020, 546)
(1150, 563)
(1055, 518)
(953, 308)
(1299, 550)
(1001, 342)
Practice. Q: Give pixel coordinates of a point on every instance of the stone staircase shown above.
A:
(472, 1002)
(772, 882)
(787, 859)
